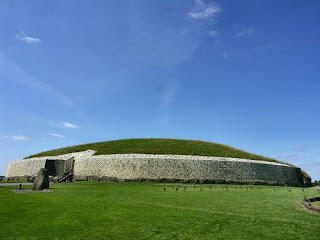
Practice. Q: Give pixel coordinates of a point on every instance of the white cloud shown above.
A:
(199, 2)
(17, 137)
(203, 10)
(28, 39)
(64, 124)
(245, 33)
(69, 125)
(56, 135)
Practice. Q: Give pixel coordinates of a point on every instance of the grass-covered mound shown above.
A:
(162, 146)
(158, 146)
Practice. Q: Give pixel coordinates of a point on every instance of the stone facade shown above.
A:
(182, 168)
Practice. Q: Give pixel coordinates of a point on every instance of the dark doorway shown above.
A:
(55, 167)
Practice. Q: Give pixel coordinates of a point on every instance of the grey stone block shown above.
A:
(42, 180)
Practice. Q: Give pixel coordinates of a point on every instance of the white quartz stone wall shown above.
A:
(169, 167)
(31, 166)
(156, 167)
(25, 167)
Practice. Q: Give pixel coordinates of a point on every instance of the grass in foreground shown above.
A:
(96, 210)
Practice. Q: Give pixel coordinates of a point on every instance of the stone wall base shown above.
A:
(19, 179)
(184, 181)
(162, 180)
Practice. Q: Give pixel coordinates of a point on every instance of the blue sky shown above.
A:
(243, 73)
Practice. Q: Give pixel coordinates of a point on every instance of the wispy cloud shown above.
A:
(207, 12)
(10, 71)
(64, 124)
(69, 125)
(203, 10)
(16, 137)
(28, 39)
(214, 34)
(56, 135)
(168, 92)
(247, 32)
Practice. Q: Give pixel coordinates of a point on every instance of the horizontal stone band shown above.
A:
(166, 167)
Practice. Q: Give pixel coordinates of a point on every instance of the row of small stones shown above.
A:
(183, 181)
(163, 180)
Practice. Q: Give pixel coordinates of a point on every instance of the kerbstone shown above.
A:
(42, 180)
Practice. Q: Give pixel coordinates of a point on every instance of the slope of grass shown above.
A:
(158, 146)
(95, 210)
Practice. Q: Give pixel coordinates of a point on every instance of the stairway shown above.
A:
(66, 177)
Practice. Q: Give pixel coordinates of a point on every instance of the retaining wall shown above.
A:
(137, 167)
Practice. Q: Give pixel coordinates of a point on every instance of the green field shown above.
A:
(97, 210)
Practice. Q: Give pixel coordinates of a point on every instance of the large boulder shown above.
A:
(42, 180)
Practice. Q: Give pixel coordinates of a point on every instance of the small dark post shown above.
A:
(177, 189)
(274, 189)
(164, 189)
(185, 188)
(210, 186)
(194, 186)
(20, 186)
(222, 187)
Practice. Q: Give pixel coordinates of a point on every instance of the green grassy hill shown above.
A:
(161, 146)
(158, 146)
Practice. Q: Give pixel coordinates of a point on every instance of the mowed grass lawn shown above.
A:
(97, 210)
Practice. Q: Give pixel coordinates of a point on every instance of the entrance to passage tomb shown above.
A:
(63, 169)
(55, 167)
